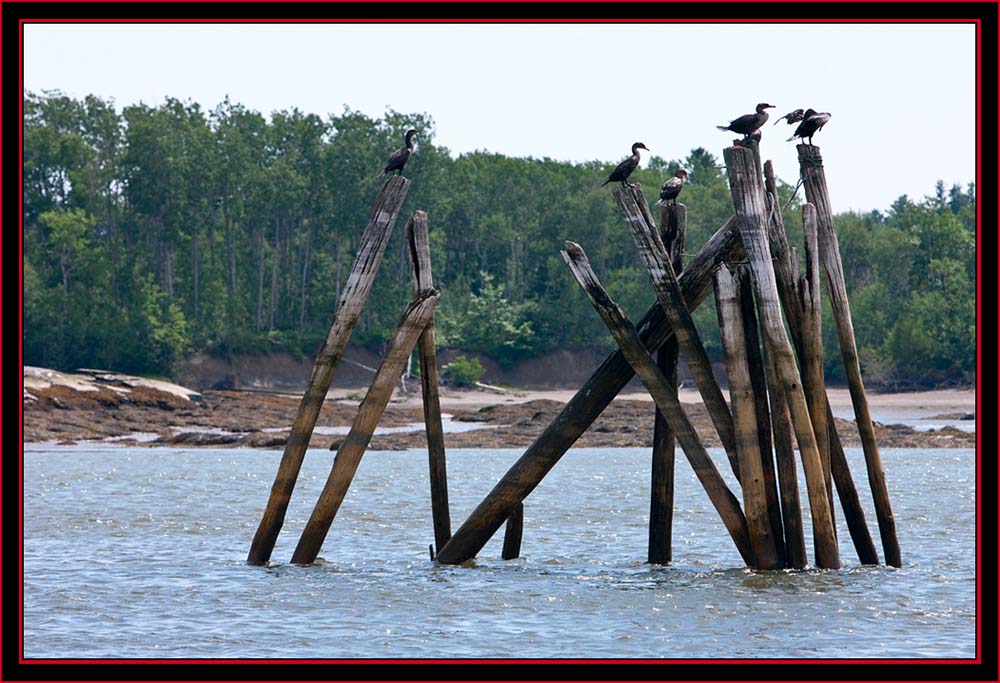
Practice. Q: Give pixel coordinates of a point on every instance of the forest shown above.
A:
(154, 233)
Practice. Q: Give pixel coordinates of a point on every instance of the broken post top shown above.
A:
(420, 255)
(740, 162)
(393, 185)
(809, 156)
(574, 254)
(632, 203)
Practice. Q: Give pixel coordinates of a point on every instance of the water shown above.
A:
(448, 426)
(919, 418)
(139, 553)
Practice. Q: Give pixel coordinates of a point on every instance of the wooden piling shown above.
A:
(420, 270)
(811, 357)
(814, 180)
(352, 299)
(663, 394)
(635, 211)
(584, 407)
(748, 199)
(788, 482)
(785, 270)
(345, 464)
(784, 448)
(758, 382)
(512, 534)
(673, 233)
(741, 397)
(848, 495)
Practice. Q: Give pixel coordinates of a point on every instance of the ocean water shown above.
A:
(139, 553)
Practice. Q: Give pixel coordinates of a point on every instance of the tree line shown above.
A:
(161, 231)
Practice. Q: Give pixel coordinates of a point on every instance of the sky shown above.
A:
(902, 96)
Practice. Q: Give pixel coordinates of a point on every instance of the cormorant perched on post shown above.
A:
(792, 116)
(672, 187)
(748, 123)
(810, 125)
(398, 158)
(625, 168)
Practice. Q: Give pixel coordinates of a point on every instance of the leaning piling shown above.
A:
(814, 180)
(373, 242)
(654, 257)
(345, 464)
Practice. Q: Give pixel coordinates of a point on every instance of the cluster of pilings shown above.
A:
(776, 383)
(776, 386)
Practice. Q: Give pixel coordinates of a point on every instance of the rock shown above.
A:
(201, 439)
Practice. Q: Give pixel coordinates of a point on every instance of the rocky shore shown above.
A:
(99, 406)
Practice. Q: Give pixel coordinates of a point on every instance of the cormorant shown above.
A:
(791, 117)
(625, 168)
(810, 125)
(398, 158)
(748, 123)
(672, 187)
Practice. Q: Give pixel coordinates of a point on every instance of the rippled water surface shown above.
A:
(135, 552)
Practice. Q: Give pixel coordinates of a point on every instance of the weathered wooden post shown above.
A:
(814, 180)
(584, 407)
(420, 262)
(668, 293)
(758, 383)
(785, 267)
(673, 233)
(352, 299)
(811, 357)
(345, 464)
(751, 213)
(788, 483)
(741, 397)
(512, 534)
(663, 394)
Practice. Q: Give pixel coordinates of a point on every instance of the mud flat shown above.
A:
(96, 405)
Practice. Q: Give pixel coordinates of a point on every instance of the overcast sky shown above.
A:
(902, 96)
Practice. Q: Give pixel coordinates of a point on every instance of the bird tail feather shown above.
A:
(660, 202)
(790, 139)
(604, 183)
(723, 127)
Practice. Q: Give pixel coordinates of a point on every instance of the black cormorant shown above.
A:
(810, 125)
(672, 187)
(748, 123)
(398, 158)
(791, 117)
(625, 168)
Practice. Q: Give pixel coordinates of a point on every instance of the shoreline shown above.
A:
(115, 409)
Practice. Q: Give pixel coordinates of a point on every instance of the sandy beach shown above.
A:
(919, 404)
